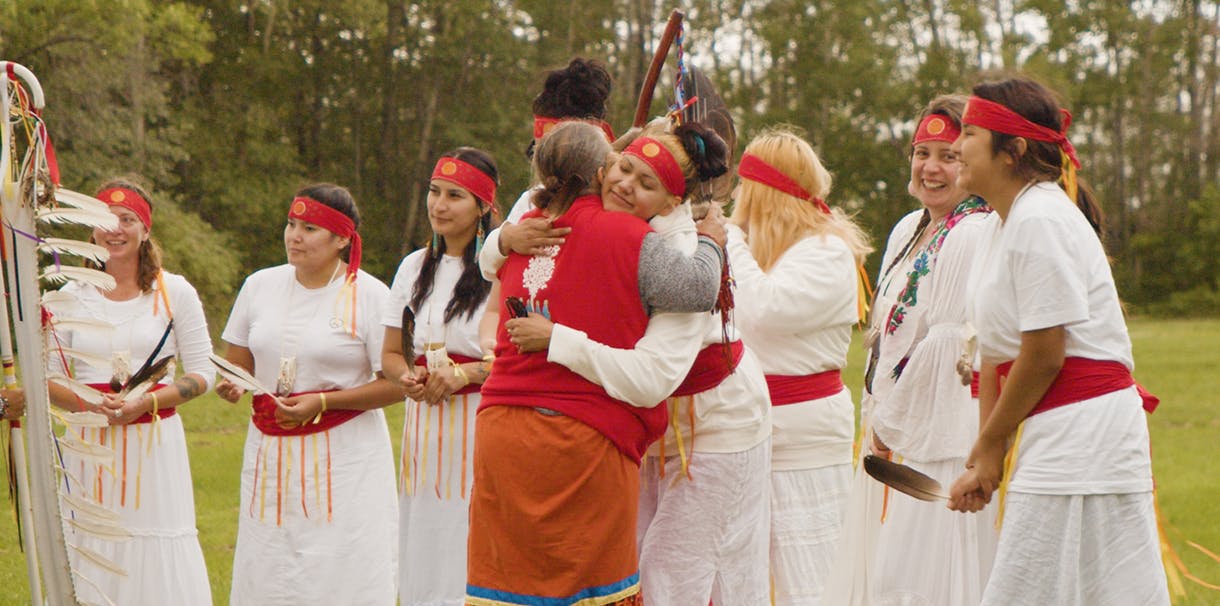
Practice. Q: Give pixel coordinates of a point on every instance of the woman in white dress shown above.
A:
(1078, 524)
(442, 286)
(318, 516)
(149, 486)
(918, 407)
(796, 264)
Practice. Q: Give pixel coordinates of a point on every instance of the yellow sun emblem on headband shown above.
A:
(117, 196)
(298, 208)
(936, 126)
(448, 168)
(650, 150)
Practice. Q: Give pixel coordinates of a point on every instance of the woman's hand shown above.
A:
(412, 383)
(984, 471)
(228, 391)
(442, 383)
(16, 403)
(712, 226)
(531, 333)
(296, 411)
(119, 412)
(531, 236)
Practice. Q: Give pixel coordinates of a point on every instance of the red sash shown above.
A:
(711, 368)
(146, 417)
(458, 359)
(264, 417)
(790, 389)
(1083, 379)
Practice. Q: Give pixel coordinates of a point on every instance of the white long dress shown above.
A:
(1079, 525)
(437, 462)
(150, 484)
(317, 521)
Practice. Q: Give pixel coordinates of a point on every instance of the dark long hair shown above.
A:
(149, 263)
(1041, 160)
(471, 289)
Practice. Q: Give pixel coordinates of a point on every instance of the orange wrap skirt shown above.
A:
(552, 514)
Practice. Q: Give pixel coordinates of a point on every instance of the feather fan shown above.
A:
(408, 336)
(150, 371)
(63, 273)
(138, 390)
(79, 200)
(711, 111)
(94, 360)
(84, 250)
(79, 216)
(903, 479)
(58, 299)
(238, 375)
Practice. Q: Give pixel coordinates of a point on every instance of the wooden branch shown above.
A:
(654, 70)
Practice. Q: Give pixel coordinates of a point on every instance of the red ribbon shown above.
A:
(129, 199)
(317, 213)
(756, 169)
(466, 176)
(998, 118)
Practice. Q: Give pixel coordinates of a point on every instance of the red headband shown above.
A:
(755, 169)
(129, 199)
(466, 176)
(543, 125)
(317, 213)
(935, 127)
(996, 117)
(654, 154)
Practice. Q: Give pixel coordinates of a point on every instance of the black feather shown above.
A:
(903, 479)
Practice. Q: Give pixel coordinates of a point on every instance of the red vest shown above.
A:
(594, 288)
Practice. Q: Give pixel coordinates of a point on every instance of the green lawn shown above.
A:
(1177, 360)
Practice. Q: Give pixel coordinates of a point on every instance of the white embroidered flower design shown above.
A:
(539, 271)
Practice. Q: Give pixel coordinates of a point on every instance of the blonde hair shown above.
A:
(777, 220)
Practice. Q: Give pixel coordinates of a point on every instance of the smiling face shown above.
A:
(978, 167)
(123, 241)
(632, 186)
(934, 169)
(453, 211)
(311, 247)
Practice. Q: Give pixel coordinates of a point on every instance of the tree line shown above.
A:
(226, 107)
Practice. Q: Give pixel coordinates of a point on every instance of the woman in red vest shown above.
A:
(318, 515)
(1078, 525)
(796, 264)
(556, 465)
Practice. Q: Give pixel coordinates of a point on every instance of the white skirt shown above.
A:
(318, 518)
(1085, 550)
(806, 518)
(434, 501)
(150, 488)
(927, 555)
(706, 539)
(851, 572)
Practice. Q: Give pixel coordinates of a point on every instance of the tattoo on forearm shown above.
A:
(188, 387)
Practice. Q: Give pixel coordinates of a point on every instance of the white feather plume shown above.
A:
(79, 216)
(106, 532)
(96, 589)
(78, 324)
(89, 508)
(84, 250)
(94, 360)
(62, 273)
(237, 375)
(96, 453)
(77, 420)
(82, 391)
(79, 200)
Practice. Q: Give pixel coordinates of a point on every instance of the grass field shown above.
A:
(1177, 360)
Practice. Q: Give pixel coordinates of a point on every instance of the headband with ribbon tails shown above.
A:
(999, 118)
(753, 168)
(316, 213)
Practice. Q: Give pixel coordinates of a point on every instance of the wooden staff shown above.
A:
(654, 71)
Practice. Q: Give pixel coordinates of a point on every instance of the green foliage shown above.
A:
(206, 257)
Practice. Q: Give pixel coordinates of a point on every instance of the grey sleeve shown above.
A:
(674, 283)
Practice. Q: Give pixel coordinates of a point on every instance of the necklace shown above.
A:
(287, 376)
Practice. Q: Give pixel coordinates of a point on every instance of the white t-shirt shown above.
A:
(797, 320)
(522, 205)
(1042, 267)
(137, 330)
(275, 317)
(461, 335)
